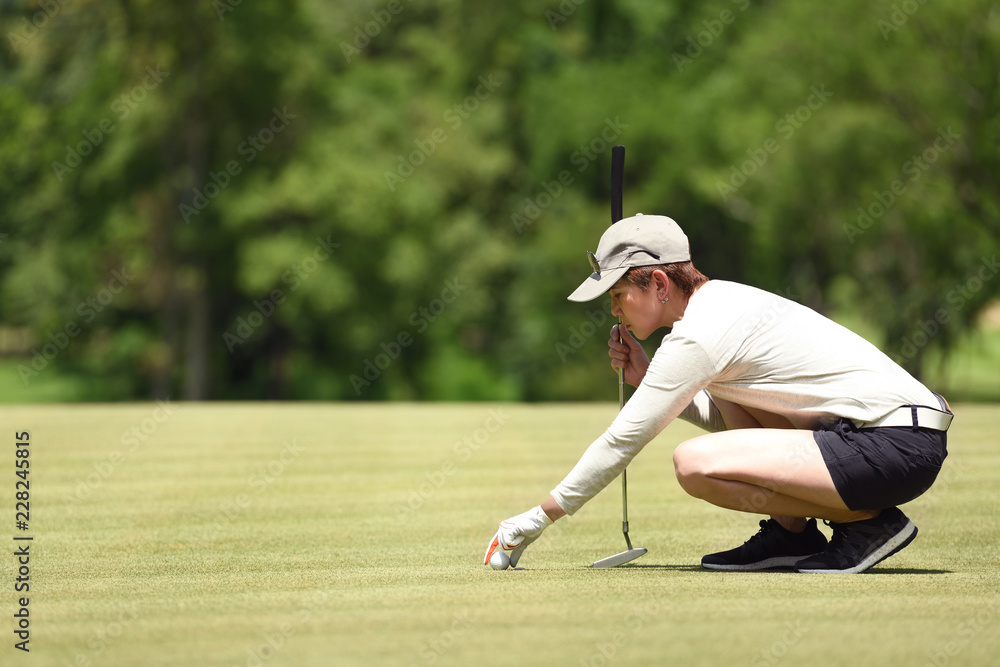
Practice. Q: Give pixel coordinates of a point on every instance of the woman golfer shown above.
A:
(806, 419)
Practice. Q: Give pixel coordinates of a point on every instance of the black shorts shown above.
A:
(876, 468)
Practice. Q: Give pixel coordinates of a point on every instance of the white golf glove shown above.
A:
(517, 532)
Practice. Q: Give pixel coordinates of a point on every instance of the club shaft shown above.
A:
(625, 509)
(621, 404)
(621, 375)
(617, 183)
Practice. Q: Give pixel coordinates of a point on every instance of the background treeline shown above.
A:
(391, 200)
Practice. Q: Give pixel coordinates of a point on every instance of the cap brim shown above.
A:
(597, 284)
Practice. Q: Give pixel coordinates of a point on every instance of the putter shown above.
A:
(617, 178)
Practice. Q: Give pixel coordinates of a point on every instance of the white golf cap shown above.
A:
(641, 240)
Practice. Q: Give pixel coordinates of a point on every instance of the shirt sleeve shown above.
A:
(702, 411)
(680, 369)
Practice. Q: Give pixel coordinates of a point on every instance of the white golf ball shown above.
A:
(499, 560)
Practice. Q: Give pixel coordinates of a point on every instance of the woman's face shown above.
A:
(640, 311)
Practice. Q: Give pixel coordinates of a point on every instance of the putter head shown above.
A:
(620, 559)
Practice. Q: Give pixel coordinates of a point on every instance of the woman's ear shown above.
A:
(661, 285)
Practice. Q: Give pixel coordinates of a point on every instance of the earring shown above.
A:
(665, 299)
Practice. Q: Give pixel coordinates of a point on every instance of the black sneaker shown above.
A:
(773, 546)
(857, 546)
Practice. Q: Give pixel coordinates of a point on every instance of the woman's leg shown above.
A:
(782, 472)
(779, 472)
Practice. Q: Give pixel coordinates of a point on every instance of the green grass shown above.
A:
(50, 385)
(970, 372)
(271, 534)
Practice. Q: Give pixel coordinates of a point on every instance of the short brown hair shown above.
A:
(682, 274)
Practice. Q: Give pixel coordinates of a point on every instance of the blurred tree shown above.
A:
(146, 113)
(884, 128)
(390, 200)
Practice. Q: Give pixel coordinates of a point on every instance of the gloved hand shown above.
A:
(516, 533)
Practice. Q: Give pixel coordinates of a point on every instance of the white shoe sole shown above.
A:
(778, 561)
(894, 544)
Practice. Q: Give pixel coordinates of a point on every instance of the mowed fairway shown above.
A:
(353, 534)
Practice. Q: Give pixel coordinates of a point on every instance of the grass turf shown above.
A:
(333, 534)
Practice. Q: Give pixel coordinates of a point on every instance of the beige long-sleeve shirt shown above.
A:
(755, 349)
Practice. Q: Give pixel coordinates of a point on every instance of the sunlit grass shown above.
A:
(270, 534)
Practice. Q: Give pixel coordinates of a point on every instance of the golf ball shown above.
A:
(499, 560)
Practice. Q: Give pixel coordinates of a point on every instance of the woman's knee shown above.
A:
(691, 465)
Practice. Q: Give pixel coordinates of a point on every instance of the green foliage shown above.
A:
(381, 200)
